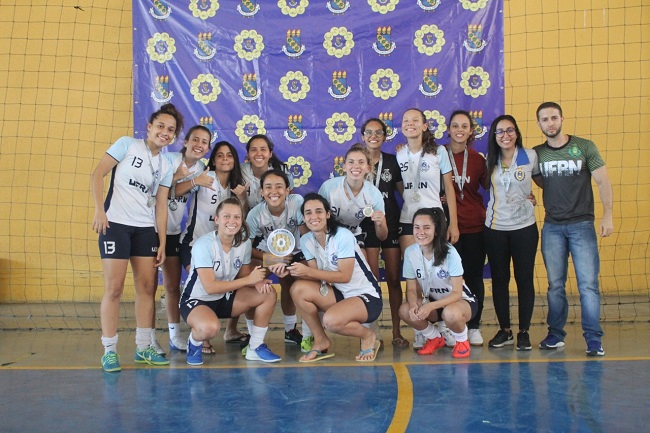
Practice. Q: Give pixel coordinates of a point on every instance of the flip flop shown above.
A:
(400, 343)
(208, 349)
(319, 356)
(238, 340)
(372, 351)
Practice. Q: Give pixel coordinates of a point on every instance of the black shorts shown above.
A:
(373, 305)
(173, 246)
(186, 255)
(122, 241)
(371, 240)
(221, 307)
(405, 229)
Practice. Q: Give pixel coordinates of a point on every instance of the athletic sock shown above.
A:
(290, 322)
(460, 336)
(195, 342)
(306, 331)
(174, 329)
(142, 338)
(110, 344)
(430, 332)
(257, 337)
(249, 325)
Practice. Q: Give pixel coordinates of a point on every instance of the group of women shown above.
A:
(239, 214)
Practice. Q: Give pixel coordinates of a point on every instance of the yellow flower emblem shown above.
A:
(429, 39)
(249, 126)
(475, 81)
(473, 5)
(300, 170)
(294, 86)
(161, 47)
(204, 14)
(293, 11)
(340, 127)
(338, 42)
(440, 127)
(384, 83)
(388, 6)
(249, 44)
(205, 88)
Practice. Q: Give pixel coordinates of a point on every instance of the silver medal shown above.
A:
(416, 196)
(367, 210)
(324, 290)
(462, 196)
(151, 202)
(173, 205)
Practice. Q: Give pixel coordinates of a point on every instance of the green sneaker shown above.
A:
(307, 344)
(149, 356)
(244, 350)
(111, 362)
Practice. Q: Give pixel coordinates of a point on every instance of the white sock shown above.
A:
(195, 342)
(153, 335)
(257, 337)
(431, 332)
(110, 344)
(174, 329)
(142, 338)
(249, 325)
(306, 331)
(460, 336)
(289, 323)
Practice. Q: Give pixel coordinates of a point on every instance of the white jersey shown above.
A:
(342, 245)
(427, 177)
(174, 217)
(203, 208)
(435, 281)
(254, 187)
(207, 252)
(261, 223)
(349, 211)
(135, 179)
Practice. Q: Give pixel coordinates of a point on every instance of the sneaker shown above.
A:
(294, 336)
(307, 344)
(177, 343)
(262, 353)
(450, 340)
(523, 341)
(595, 348)
(194, 353)
(431, 345)
(157, 347)
(551, 342)
(244, 350)
(149, 356)
(475, 337)
(419, 341)
(111, 362)
(461, 350)
(503, 338)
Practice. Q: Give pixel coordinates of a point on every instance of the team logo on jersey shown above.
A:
(160, 10)
(249, 91)
(429, 39)
(161, 92)
(384, 44)
(293, 46)
(293, 8)
(237, 263)
(479, 128)
(430, 86)
(391, 130)
(292, 222)
(207, 122)
(339, 88)
(206, 88)
(300, 170)
(340, 127)
(295, 132)
(442, 274)
(575, 151)
(294, 86)
(428, 5)
(334, 260)
(424, 166)
(338, 42)
(474, 43)
(384, 84)
(520, 174)
(338, 167)
(436, 123)
(248, 8)
(475, 81)
(203, 9)
(386, 176)
(249, 45)
(248, 126)
(338, 6)
(205, 49)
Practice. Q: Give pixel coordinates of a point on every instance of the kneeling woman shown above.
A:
(222, 284)
(434, 285)
(336, 280)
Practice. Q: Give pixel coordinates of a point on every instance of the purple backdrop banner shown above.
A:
(309, 73)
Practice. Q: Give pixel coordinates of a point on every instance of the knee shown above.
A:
(404, 312)
(453, 317)
(297, 290)
(331, 322)
(113, 292)
(208, 329)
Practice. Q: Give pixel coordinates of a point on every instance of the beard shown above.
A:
(555, 134)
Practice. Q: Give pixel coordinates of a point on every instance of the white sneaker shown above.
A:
(475, 337)
(419, 341)
(450, 340)
(157, 347)
(178, 343)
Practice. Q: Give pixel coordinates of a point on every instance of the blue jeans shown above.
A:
(579, 239)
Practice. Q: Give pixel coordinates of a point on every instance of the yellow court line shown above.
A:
(404, 405)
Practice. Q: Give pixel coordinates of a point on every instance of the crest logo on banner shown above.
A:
(248, 8)
(300, 170)
(249, 45)
(340, 127)
(160, 10)
(249, 91)
(475, 81)
(205, 49)
(479, 130)
(338, 6)
(473, 5)
(430, 86)
(436, 123)
(384, 44)
(294, 132)
(161, 93)
(428, 5)
(293, 47)
(383, 6)
(474, 43)
(204, 9)
(248, 126)
(294, 86)
(339, 88)
(205, 88)
(207, 122)
(338, 42)
(429, 39)
(384, 83)
(293, 8)
(161, 47)
(391, 131)
(338, 167)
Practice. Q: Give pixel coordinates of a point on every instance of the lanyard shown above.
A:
(218, 251)
(425, 282)
(154, 174)
(460, 180)
(415, 173)
(505, 176)
(321, 253)
(348, 191)
(283, 218)
(378, 172)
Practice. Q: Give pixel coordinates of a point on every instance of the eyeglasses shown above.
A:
(369, 133)
(509, 131)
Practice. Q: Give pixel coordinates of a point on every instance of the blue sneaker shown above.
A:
(262, 353)
(194, 353)
(149, 356)
(111, 362)
(595, 348)
(551, 342)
